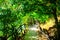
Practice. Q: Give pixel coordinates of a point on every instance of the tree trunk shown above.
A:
(56, 22)
(55, 16)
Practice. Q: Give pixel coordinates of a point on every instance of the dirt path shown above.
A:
(32, 33)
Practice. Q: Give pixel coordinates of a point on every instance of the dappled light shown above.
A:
(33, 28)
(48, 24)
(29, 19)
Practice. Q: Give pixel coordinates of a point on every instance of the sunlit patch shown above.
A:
(58, 18)
(48, 24)
(34, 37)
(34, 28)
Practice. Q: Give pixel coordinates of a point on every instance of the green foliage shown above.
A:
(1, 33)
(14, 13)
(58, 7)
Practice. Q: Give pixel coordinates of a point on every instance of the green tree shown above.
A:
(14, 13)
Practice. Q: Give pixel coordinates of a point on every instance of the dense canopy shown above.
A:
(14, 13)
